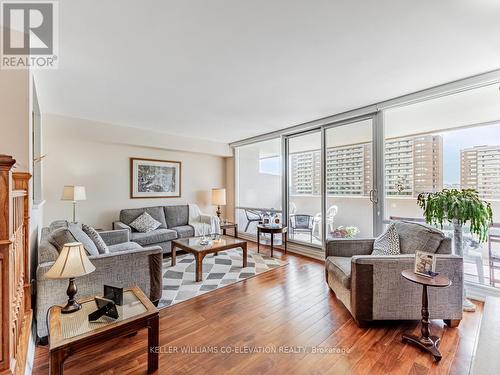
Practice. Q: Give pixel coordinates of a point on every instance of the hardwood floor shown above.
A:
(288, 308)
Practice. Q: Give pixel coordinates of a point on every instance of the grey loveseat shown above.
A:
(126, 264)
(174, 224)
(371, 286)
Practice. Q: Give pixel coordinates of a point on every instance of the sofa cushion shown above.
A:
(154, 237)
(184, 231)
(124, 246)
(340, 268)
(80, 236)
(130, 214)
(96, 239)
(416, 236)
(59, 237)
(387, 243)
(145, 223)
(177, 216)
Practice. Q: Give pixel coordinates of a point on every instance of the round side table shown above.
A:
(272, 229)
(426, 341)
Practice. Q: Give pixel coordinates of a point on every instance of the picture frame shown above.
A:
(153, 178)
(425, 264)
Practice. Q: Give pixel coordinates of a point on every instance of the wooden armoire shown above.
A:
(15, 297)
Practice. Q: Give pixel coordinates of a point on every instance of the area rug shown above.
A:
(218, 271)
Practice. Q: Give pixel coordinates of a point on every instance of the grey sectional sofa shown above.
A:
(126, 264)
(174, 224)
(371, 286)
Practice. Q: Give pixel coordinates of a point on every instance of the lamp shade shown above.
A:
(73, 193)
(72, 262)
(219, 197)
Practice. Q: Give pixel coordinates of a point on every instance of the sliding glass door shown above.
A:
(350, 189)
(304, 187)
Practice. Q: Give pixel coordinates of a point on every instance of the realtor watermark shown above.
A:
(29, 35)
(248, 349)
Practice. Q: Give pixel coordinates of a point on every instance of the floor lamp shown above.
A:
(73, 193)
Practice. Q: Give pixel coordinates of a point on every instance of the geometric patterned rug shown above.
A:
(218, 271)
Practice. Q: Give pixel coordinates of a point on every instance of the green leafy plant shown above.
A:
(457, 207)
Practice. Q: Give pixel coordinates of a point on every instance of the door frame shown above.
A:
(377, 171)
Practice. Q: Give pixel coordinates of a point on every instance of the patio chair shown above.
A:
(493, 255)
(330, 216)
(301, 223)
(252, 216)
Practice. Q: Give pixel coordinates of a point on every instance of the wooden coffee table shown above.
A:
(192, 245)
(426, 341)
(71, 333)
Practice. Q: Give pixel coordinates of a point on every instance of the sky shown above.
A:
(454, 141)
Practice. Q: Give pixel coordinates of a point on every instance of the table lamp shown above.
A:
(73, 193)
(218, 199)
(72, 262)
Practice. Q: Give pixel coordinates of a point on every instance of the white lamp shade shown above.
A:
(219, 197)
(72, 262)
(73, 193)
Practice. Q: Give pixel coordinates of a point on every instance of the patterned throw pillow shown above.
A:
(387, 243)
(96, 239)
(145, 223)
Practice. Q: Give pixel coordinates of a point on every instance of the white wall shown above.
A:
(97, 156)
(15, 117)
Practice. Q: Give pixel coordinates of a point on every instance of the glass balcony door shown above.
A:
(304, 187)
(350, 188)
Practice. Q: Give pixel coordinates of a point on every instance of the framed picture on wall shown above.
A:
(150, 178)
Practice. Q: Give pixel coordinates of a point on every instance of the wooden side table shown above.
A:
(272, 229)
(426, 341)
(225, 226)
(70, 333)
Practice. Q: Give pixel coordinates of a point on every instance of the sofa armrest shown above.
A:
(119, 225)
(140, 267)
(347, 247)
(113, 237)
(379, 292)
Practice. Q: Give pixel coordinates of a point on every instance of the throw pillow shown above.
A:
(387, 243)
(96, 239)
(82, 237)
(59, 237)
(145, 223)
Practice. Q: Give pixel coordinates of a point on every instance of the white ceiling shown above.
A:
(230, 69)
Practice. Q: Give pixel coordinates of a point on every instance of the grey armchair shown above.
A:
(127, 264)
(371, 286)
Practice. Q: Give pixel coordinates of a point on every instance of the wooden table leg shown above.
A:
(56, 362)
(153, 343)
(426, 341)
(236, 231)
(224, 231)
(285, 240)
(173, 255)
(258, 240)
(272, 243)
(199, 266)
(245, 253)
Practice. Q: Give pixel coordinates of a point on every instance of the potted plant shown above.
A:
(458, 207)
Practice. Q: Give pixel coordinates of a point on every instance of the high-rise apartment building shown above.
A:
(480, 170)
(349, 169)
(305, 173)
(412, 165)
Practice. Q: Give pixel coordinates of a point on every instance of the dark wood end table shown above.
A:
(426, 341)
(71, 333)
(192, 245)
(272, 229)
(225, 226)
